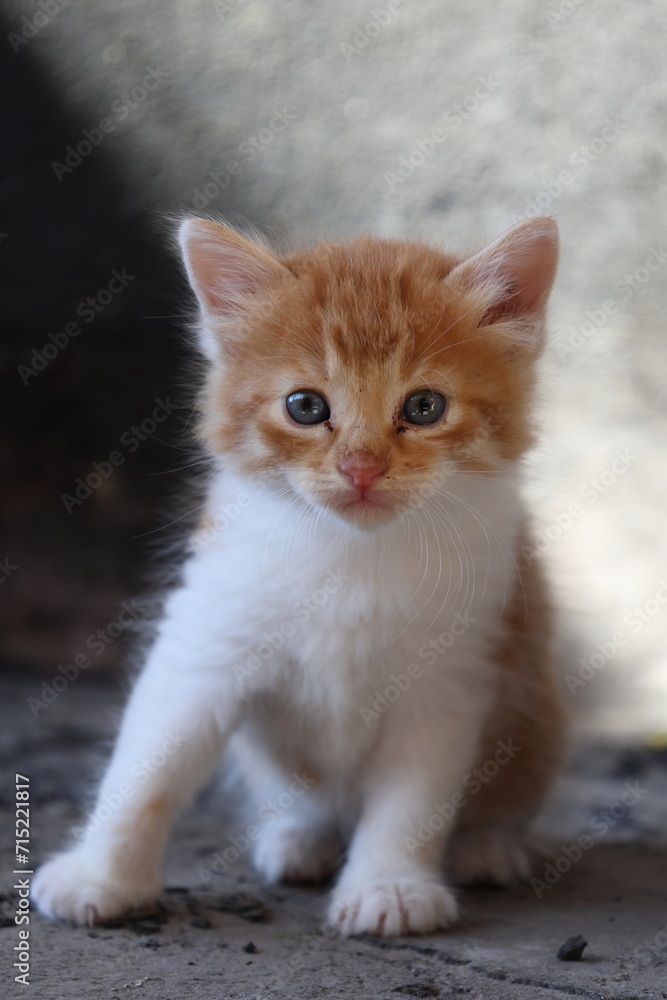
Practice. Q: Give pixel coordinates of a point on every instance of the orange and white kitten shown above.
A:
(354, 610)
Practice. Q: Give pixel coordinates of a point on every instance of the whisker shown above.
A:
(175, 521)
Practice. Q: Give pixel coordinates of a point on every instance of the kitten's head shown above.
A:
(360, 376)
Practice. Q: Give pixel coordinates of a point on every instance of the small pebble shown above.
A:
(144, 942)
(250, 948)
(572, 950)
(243, 905)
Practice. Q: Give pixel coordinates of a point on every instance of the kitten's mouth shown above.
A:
(364, 502)
(368, 506)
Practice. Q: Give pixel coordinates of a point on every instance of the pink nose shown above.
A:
(362, 470)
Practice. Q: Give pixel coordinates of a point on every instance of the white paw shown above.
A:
(292, 853)
(408, 904)
(487, 855)
(69, 887)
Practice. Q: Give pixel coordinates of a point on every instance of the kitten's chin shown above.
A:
(364, 512)
(368, 512)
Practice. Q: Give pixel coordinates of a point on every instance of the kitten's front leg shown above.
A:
(392, 882)
(174, 727)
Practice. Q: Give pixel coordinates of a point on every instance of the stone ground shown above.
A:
(231, 936)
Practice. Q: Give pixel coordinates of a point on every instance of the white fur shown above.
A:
(299, 712)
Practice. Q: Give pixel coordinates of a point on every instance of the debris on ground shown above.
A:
(572, 950)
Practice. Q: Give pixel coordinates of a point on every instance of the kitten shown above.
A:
(354, 617)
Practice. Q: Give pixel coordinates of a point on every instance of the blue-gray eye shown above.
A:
(307, 407)
(424, 407)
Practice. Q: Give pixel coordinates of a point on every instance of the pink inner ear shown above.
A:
(518, 269)
(223, 267)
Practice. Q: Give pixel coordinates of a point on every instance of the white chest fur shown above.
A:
(305, 601)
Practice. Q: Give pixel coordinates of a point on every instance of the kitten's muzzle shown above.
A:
(362, 470)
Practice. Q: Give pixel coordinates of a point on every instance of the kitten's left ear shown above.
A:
(514, 276)
(226, 271)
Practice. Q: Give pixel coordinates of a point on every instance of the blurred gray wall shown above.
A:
(447, 120)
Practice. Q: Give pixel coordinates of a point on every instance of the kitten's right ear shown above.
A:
(225, 271)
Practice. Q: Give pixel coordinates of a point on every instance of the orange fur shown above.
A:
(325, 393)
(364, 324)
(529, 706)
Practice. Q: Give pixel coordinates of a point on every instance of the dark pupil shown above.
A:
(424, 407)
(307, 407)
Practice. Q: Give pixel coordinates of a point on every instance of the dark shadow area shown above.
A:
(90, 406)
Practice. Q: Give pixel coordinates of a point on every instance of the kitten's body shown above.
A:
(362, 623)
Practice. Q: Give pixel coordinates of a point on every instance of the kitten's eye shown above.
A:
(307, 407)
(424, 407)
